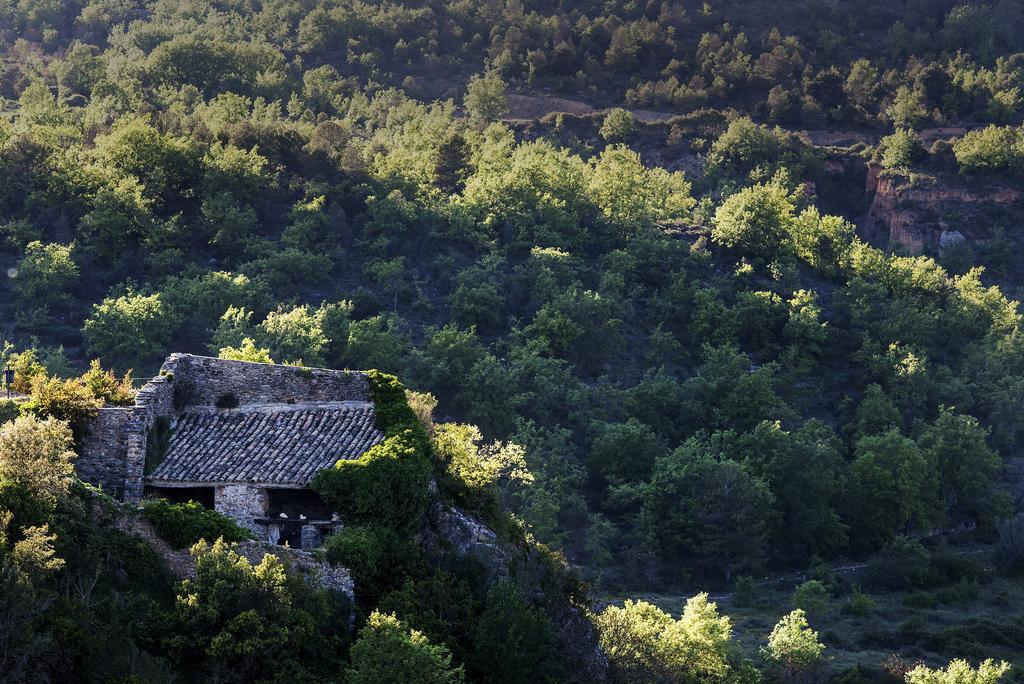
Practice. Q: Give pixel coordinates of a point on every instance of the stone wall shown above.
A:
(206, 381)
(242, 503)
(113, 453)
(103, 450)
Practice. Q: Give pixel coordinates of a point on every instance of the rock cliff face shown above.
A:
(916, 217)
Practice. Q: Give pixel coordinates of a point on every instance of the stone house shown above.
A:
(243, 438)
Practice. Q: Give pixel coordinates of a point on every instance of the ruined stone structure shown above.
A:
(243, 438)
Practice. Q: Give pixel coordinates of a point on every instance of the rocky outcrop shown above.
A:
(450, 533)
(914, 216)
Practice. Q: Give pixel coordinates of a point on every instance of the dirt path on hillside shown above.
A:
(530, 107)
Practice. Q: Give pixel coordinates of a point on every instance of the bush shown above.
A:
(991, 149)
(373, 553)
(952, 567)
(388, 651)
(812, 597)
(961, 593)
(743, 591)
(901, 149)
(35, 464)
(513, 639)
(68, 400)
(106, 386)
(9, 410)
(388, 485)
(240, 622)
(902, 564)
(182, 525)
(920, 599)
(618, 125)
(859, 605)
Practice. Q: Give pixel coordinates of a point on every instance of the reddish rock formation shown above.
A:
(914, 216)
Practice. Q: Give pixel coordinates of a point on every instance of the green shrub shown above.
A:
(9, 410)
(920, 599)
(69, 400)
(963, 592)
(388, 485)
(373, 553)
(901, 149)
(743, 591)
(182, 525)
(913, 629)
(388, 651)
(951, 568)
(859, 605)
(902, 564)
(812, 597)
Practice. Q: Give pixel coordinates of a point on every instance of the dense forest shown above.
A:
(651, 338)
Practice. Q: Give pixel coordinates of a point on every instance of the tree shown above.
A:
(901, 149)
(876, 413)
(822, 241)
(991, 149)
(128, 330)
(708, 511)
(390, 273)
(793, 647)
(120, 221)
(295, 335)
(527, 195)
(198, 301)
(485, 97)
(248, 351)
(106, 386)
(36, 460)
(44, 280)
(750, 151)
(164, 165)
(624, 451)
(69, 400)
(477, 470)
(960, 672)
(513, 641)
(617, 126)
(907, 109)
(634, 197)
(755, 220)
(893, 488)
(806, 472)
(967, 469)
(240, 621)
(812, 597)
(388, 651)
(862, 85)
(644, 644)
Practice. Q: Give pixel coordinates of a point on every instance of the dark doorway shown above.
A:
(203, 495)
(297, 502)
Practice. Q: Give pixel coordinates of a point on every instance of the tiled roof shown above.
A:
(271, 444)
